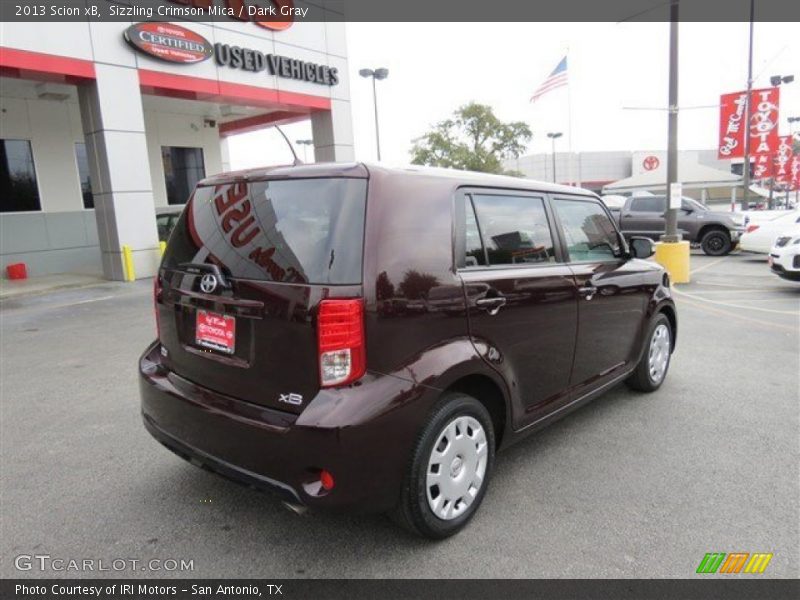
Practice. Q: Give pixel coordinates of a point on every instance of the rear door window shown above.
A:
(513, 229)
(293, 231)
(475, 252)
(648, 204)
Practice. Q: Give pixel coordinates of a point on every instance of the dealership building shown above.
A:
(103, 124)
(704, 176)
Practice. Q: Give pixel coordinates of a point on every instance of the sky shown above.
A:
(615, 71)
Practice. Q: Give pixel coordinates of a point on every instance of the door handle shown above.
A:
(491, 305)
(587, 292)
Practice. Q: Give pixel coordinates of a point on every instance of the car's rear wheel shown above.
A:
(716, 242)
(654, 364)
(449, 468)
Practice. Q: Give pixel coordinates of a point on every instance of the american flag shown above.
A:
(555, 80)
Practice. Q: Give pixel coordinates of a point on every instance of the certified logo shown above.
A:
(208, 283)
(169, 42)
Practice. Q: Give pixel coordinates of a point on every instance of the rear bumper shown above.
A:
(211, 463)
(348, 432)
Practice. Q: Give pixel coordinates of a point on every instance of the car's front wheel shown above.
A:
(654, 364)
(449, 468)
(716, 243)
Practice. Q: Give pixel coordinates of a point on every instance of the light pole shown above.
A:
(375, 74)
(671, 235)
(748, 114)
(305, 144)
(554, 136)
(672, 252)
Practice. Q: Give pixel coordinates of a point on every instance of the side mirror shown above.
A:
(642, 247)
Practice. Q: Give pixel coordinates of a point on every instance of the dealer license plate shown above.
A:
(215, 331)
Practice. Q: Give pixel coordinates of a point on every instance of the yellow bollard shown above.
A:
(163, 247)
(127, 261)
(674, 257)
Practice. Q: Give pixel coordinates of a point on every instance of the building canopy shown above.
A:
(690, 173)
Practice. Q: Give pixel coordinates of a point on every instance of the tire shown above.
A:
(465, 428)
(646, 378)
(716, 243)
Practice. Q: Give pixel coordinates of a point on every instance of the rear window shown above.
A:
(649, 204)
(293, 231)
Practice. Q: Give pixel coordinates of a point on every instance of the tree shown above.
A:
(473, 139)
(416, 285)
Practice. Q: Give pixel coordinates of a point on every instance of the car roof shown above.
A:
(173, 209)
(448, 177)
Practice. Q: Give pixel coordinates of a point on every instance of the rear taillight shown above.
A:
(751, 228)
(340, 336)
(156, 302)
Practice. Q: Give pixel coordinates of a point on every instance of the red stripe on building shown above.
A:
(211, 90)
(24, 64)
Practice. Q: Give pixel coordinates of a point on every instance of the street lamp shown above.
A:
(305, 144)
(554, 136)
(375, 74)
(776, 80)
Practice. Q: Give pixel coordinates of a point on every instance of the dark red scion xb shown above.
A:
(364, 338)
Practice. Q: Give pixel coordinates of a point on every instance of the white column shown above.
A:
(225, 154)
(113, 126)
(333, 133)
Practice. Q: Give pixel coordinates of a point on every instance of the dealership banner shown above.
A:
(783, 160)
(763, 128)
(763, 166)
(794, 169)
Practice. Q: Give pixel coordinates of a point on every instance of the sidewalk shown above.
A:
(10, 289)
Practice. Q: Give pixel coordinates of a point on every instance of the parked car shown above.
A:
(166, 218)
(715, 232)
(287, 355)
(756, 217)
(760, 237)
(784, 256)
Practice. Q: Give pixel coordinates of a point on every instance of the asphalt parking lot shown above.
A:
(628, 486)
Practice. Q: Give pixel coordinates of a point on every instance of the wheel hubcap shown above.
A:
(456, 467)
(659, 353)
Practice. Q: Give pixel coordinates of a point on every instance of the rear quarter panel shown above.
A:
(414, 301)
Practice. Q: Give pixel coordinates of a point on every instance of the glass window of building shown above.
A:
(183, 168)
(19, 190)
(83, 175)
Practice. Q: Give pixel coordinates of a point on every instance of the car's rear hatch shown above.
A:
(242, 278)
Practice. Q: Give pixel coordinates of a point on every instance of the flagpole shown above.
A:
(569, 121)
